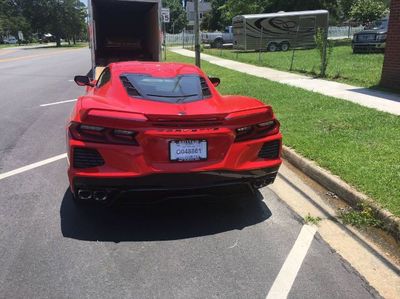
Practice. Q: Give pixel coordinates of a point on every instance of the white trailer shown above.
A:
(124, 30)
(278, 31)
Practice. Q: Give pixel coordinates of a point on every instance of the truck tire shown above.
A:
(272, 47)
(218, 43)
(284, 46)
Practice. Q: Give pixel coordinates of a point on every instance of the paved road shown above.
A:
(181, 249)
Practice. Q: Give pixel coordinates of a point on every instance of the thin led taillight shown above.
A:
(256, 131)
(99, 134)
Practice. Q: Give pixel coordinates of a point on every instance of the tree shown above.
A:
(368, 10)
(12, 19)
(178, 19)
(217, 18)
(240, 7)
(345, 8)
(74, 15)
(61, 18)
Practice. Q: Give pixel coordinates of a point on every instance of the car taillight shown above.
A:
(99, 134)
(257, 131)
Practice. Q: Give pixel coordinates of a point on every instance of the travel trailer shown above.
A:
(278, 31)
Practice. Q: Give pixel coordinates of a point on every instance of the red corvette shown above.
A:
(150, 126)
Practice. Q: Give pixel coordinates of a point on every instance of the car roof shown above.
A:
(166, 69)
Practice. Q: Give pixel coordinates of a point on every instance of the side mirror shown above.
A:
(83, 81)
(215, 81)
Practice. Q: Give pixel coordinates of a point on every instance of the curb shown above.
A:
(342, 189)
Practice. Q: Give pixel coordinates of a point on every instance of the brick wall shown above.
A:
(391, 66)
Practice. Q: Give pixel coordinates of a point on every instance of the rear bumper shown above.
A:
(162, 186)
(369, 46)
(179, 181)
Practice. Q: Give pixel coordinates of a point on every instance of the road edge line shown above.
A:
(32, 166)
(342, 189)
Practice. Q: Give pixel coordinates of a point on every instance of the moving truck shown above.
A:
(123, 30)
(278, 31)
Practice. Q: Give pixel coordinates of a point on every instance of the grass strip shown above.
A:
(356, 69)
(359, 144)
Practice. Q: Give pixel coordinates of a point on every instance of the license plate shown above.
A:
(367, 37)
(188, 150)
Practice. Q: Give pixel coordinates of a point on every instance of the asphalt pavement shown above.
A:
(193, 248)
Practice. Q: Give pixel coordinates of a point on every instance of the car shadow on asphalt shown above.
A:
(168, 220)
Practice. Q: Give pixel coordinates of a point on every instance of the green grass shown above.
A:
(5, 46)
(312, 220)
(344, 66)
(359, 144)
(77, 45)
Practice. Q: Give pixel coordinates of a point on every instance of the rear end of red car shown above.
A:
(119, 154)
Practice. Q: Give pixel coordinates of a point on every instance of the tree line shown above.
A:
(341, 11)
(64, 19)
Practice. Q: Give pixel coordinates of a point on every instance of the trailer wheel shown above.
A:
(218, 43)
(272, 47)
(284, 46)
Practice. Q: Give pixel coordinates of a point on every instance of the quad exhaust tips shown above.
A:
(99, 195)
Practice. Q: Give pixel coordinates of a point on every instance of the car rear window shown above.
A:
(183, 88)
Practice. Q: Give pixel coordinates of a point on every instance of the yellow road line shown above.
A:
(5, 52)
(34, 56)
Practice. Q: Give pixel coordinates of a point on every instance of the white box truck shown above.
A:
(123, 30)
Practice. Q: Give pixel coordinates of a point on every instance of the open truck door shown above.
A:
(123, 30)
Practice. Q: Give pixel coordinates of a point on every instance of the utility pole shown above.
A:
(197, 32)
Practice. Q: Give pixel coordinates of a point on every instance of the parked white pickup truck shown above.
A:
(218, 39)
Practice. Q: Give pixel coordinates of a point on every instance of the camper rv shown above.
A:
(123, 30)
(278, 31)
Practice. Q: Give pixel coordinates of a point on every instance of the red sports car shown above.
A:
(151, 126)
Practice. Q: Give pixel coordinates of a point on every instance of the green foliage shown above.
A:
(368, 10)
(361, 217)
(312, 220)
(178, 19)
(62, 18)
(240, 7)
(218, 18)
(321, 40)
(12, 19)
(345, 8)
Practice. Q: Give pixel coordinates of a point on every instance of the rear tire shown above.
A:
(284, 46)
(272, 47)
(218, 43)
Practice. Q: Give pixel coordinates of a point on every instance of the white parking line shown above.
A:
(56, 103)
(32, 166)
(285, 279)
